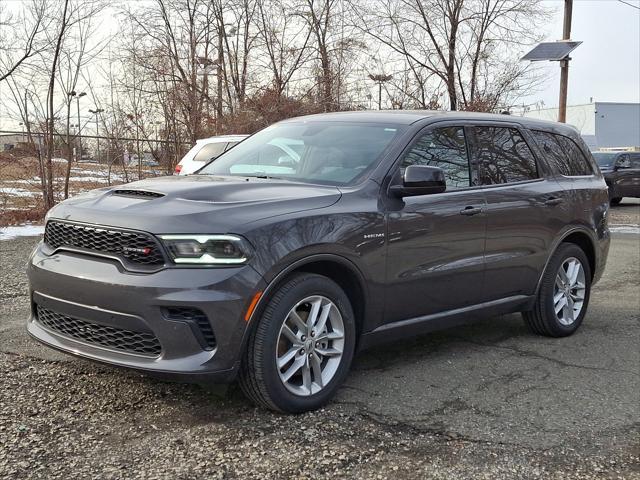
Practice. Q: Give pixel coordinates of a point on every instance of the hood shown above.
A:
(193, 204)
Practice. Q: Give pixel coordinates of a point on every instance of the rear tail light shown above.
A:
(178, 168)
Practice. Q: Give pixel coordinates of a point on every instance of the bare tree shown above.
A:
(285, 41)
(239, 38)
(76, 53)
(320, 16)
(70, 14)
(462, 44)
(22, 34)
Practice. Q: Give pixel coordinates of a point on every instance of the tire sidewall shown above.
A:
(271, 322)
(562, 254)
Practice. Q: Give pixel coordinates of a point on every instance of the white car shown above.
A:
(204, 150)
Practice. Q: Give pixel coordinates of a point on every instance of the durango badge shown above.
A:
(141, 251)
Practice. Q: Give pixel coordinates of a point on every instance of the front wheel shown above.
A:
(564, 294)
(301, 350)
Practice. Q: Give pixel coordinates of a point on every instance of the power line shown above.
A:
(630, 4)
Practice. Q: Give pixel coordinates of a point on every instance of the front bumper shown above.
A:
(99, 295)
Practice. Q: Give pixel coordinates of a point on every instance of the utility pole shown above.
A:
(564, 63)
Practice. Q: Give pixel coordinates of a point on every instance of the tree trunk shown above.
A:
(49, 201)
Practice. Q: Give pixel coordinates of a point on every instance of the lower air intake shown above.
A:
(140, 343)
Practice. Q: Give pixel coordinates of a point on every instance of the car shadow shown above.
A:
(490, 331)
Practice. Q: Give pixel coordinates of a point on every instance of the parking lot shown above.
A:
(489, 400)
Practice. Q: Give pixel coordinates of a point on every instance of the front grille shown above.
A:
(195, 317)
(134, 247)
(137, 193)
(141, 343)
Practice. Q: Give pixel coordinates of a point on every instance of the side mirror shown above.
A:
(420, 180)
(622, 163)
(286, 162)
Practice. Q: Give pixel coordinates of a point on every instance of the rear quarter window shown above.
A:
(562, 154)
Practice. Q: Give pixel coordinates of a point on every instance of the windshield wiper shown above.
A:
(266, 177)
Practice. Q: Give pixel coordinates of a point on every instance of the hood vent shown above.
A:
(138, 194)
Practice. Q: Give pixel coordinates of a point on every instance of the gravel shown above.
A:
(78, 420)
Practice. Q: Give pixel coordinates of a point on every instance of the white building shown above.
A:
(601, 124)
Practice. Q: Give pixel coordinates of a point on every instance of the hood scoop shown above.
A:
(142, 194)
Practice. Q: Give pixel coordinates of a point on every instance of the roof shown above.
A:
(403, 117)
(408, 117)
(223, 138)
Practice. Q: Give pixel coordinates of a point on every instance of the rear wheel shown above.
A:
(301, 349)
(613, 200)
(564, 293)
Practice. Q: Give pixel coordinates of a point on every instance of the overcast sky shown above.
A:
(607, 65)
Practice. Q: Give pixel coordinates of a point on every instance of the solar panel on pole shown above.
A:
(551, 51)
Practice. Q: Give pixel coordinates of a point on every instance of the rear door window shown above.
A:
(503, 156)
(445, 148)
(209, 151)
(562, 154)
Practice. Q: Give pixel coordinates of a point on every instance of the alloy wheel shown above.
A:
(310, 345)
(569, 291)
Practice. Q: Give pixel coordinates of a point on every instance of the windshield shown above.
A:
(332, 153)
(604, 159)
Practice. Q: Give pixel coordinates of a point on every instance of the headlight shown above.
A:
(207, 249)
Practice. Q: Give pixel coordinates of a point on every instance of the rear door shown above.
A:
(525, 209)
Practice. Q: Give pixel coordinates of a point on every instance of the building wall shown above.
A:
(601, 124)
(7, 142)
(617, 124)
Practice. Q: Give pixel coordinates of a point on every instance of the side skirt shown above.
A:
(439, 321)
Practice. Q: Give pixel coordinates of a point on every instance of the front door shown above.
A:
(436, 242)
(629, 176)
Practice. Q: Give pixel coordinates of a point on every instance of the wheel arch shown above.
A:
(335, 267)
(584, 241)
(577, 236)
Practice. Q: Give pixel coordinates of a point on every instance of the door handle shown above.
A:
(553, 201)
(470, 211)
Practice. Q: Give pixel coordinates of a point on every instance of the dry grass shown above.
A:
(21, 191)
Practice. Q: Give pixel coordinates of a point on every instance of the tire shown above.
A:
(615, 201)
(542, 319)
(260, 377)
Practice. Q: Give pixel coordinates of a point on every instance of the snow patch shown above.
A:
(89, 179)
(17, 192)
(9, 233)
(625, 228)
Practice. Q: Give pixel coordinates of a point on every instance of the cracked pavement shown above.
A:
(488, 400)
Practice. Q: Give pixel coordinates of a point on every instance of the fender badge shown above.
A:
(368, 236)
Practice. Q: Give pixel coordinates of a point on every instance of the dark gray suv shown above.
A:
(321, 235)
(621, 171)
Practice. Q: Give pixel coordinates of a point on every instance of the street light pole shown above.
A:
(564, 63)
(96, 112)
(380, 78)
(79, 127)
